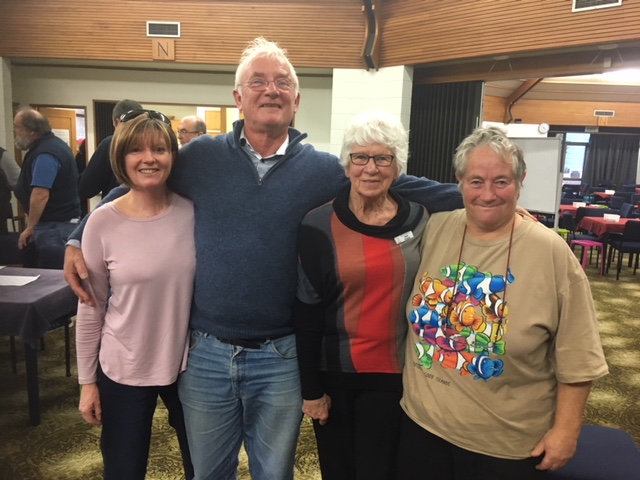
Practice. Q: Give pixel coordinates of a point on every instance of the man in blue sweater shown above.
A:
(251, 189)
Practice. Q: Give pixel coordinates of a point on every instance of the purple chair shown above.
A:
(603, 453)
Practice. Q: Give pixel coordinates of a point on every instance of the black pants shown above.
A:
(424, 455)
(360, 439)
(127, 416)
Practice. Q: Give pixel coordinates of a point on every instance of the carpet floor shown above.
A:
(64, 447)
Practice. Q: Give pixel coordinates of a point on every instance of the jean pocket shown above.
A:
(194, 339)
(284, 347)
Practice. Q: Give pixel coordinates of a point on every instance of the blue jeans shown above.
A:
(49, 239)
(232, 394)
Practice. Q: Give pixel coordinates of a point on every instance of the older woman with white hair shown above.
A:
(358, 257)
(503, 342)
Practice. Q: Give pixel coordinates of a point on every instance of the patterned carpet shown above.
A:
(63, 447)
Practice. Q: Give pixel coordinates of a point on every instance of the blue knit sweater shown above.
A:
(247, 227)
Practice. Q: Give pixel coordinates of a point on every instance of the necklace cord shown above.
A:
(458, 279)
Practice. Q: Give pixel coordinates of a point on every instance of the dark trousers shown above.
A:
(424, 455)
(360, 439)
(127, 416)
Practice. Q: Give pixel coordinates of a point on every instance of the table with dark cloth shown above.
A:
(30, 311)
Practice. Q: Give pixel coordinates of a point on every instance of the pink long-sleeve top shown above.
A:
(147, 266)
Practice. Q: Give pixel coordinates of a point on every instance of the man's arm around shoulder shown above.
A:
(75, 270)
(435, 196)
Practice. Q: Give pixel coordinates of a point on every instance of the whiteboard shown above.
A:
(543, 183)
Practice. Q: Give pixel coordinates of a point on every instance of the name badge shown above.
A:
(404, 237)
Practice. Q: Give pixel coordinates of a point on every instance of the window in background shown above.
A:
(576, 144)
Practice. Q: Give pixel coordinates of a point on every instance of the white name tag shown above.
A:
(404, 237)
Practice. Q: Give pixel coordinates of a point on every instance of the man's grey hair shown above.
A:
(261, 47)
(376, 128)
(496, 139)
(34, 121)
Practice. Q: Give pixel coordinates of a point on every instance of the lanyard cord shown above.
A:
(459, 279)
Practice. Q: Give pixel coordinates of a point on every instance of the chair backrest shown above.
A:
(625, 210)
(631, 232)
(570, 191)
(626, 195)
(567, 201)
(584, 189)
(595, 212)
(567, 222)
(616, 201)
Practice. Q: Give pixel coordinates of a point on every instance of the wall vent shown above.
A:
(604, 113)
(591, 129)
(582, 5)
(163, 29)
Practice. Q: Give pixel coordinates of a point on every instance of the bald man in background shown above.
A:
(190, 127)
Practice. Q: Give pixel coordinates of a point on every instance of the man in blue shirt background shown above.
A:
(46, 189)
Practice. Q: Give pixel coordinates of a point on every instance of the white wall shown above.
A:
(518, 130)
(81, 86)
(356, 90)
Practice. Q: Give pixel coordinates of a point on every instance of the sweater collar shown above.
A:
(295, 137)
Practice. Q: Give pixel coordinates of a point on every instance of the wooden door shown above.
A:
(63, 124)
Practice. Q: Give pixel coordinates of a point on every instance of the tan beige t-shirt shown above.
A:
(485, 384)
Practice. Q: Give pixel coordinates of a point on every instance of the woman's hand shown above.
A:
(558, 447)
(318, 409)
(560, 442)
(90, 406)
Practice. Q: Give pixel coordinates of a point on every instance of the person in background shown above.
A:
(98, 177)
(251, 188)
(9, 174)
(81, 165)
(9, 167)
(140, 253)
(189, 128)
(46, 189)
(81, 156)
(503, 343)
(359, 255)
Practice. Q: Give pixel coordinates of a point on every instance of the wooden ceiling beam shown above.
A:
(549, 65)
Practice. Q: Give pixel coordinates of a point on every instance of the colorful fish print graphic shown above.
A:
(461, 321)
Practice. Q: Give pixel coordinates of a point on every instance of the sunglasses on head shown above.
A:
(131, 114)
